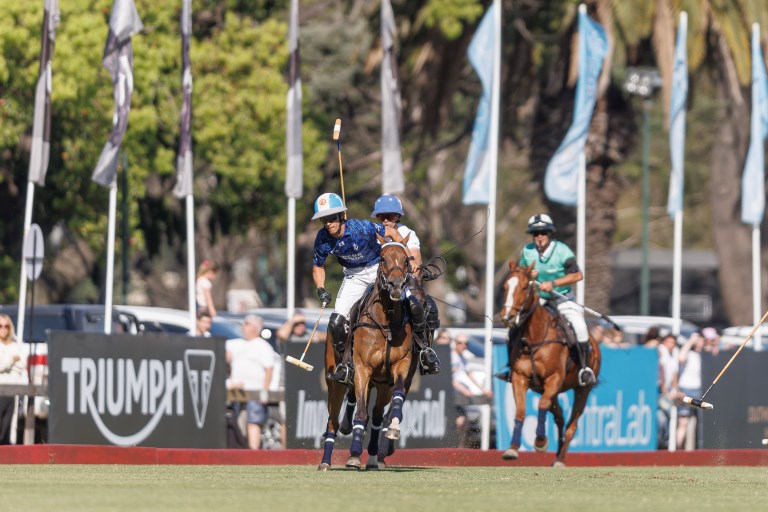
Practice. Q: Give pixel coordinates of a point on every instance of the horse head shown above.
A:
(394, 267)
(520, 293)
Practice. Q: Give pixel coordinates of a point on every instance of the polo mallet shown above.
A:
(699, 402)
(585, 308)
(300, 362)
(337, 138)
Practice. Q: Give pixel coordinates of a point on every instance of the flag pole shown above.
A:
(23, 283)
(291, 294)
(294, 149)
(190, 203)
(581, 224)
(490, 236)
(110, 258)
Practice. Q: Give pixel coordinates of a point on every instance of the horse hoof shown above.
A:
(372, 464)
(541, 444)
(382, 465)
(393, 432)
(510, 454)
(558, 464)
(353, 462)
(323, 467)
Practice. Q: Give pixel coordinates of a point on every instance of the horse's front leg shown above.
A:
(557, 412)
(519, 388)
(336, 392)
(379, 445)
(579, 403)
(360, 422)
(551, 387)
(400, 373)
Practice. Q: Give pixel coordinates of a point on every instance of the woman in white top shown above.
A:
(12, 371)
(206, 274)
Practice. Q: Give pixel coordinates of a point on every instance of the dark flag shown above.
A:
(391, 165)
(41, 128)
(184, 178)
(124, 23)
(294, 175)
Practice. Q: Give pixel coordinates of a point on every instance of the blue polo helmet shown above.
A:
(541, 222)
(328, 204)
(387, 204)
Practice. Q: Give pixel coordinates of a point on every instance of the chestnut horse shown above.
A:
(383, 358)
(539, 359)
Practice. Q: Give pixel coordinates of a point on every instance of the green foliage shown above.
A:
(450, 16)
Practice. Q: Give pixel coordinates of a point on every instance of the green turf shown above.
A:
(288, 488)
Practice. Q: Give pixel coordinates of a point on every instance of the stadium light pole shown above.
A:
(643, 82)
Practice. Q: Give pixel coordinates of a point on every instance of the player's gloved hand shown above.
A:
(325, 296)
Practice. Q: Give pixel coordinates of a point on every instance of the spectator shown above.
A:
(668, 387)
(12, 371)
(443, 337)
(206, 274)
(652, 337)
(251, 359)
(690, 385)
(295, 327)
(463, 382)
(203, 324)
(711, 340)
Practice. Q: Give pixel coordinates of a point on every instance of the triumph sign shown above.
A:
(151, 390)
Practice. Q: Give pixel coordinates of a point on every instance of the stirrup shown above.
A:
(429, 363)
(344, 373)
(586, 377)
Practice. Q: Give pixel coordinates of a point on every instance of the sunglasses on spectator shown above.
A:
(387, 216)
(540, 233)
(5, 326)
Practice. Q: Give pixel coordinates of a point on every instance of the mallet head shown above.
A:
(695, 402)
(299, 363)
(337, 130)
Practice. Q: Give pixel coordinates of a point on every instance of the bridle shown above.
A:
(385, 273)
(527, 306)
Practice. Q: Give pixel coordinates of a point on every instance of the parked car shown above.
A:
(733, 337)
(634, 327)
(40, 321)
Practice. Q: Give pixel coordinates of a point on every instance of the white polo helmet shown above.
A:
(541, 222)
(328, 204)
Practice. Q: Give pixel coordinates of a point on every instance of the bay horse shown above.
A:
(383, 358)
(539, 359)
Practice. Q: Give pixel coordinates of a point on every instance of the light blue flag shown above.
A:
(561, 180)
(753, 182)
(677, 119)
(481, 56)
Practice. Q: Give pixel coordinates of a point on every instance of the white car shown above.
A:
(733, 337)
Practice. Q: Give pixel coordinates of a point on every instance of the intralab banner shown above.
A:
(429, 415)
(620, 414)
(160, 390)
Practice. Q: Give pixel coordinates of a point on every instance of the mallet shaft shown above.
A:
(300, 362)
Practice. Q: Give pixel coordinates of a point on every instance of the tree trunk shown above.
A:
(732, 238)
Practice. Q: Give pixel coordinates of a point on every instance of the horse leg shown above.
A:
(335, 398)
(579, 402)
(345, 428)
(399, 373)
(378, 444)
(557, 412)
(519, 388)
(360, 422)
(551, 387)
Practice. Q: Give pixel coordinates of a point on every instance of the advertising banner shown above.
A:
(159, 390)
(740, 416)
(428, 412)
(620, 414)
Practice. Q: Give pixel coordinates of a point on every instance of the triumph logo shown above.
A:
(112, 387)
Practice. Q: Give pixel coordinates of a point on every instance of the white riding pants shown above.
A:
(575, 316)
(353, 286)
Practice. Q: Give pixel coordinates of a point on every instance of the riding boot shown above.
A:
(429, 363)
(586, 375)
(345, 371)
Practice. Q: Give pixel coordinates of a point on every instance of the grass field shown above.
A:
(288, 488)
